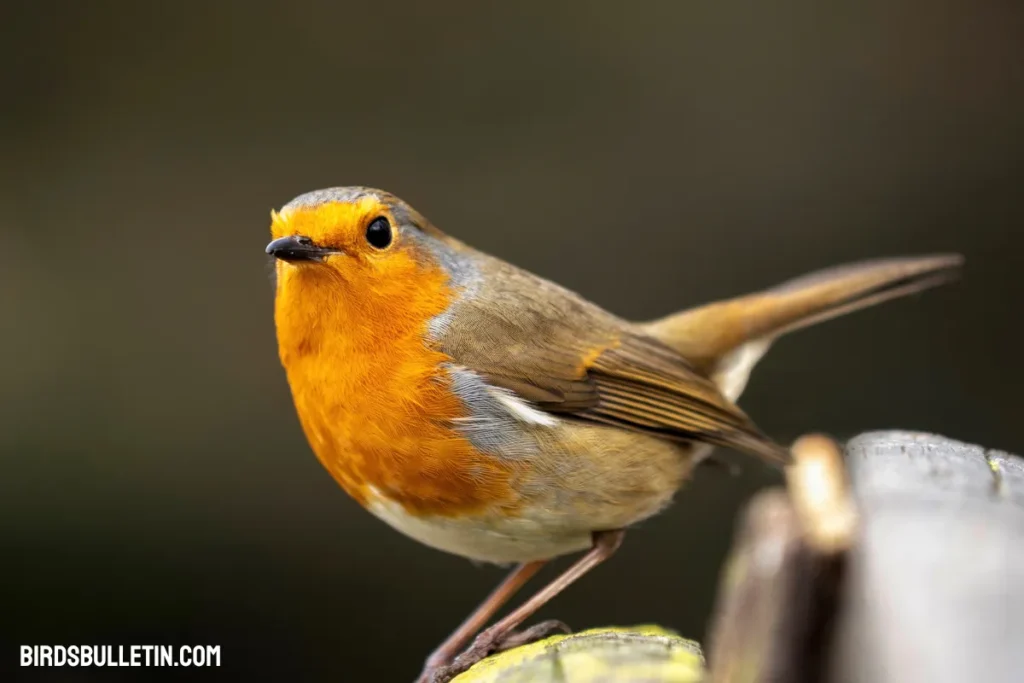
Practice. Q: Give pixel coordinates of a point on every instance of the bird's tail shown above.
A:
(725, 339)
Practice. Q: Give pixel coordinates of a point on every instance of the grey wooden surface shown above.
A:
(935, 587)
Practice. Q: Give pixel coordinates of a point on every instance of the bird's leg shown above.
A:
(605, 545)
(480, 616)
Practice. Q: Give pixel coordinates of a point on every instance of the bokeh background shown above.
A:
(155, 485)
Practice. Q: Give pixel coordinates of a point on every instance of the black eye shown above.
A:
(378, 233)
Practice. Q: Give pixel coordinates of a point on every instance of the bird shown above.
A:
(490, 413)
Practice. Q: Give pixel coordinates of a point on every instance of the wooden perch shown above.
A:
(935, 590)
(905, 565)
(642, 653)
(773, 620)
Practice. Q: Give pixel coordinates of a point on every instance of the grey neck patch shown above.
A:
(463, 276)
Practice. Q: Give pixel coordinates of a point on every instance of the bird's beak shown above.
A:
(297, 248)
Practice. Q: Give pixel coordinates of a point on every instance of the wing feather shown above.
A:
(568, 356)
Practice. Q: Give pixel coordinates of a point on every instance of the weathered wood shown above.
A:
(763, 596)
(776, 603)
(935, 590)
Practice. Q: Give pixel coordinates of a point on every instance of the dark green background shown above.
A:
(156, 487)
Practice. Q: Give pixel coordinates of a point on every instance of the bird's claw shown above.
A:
(488, 643)
(531, 635)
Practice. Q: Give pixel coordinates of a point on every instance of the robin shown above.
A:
(490, 413)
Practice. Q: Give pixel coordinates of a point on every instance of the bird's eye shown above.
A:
(378, 233)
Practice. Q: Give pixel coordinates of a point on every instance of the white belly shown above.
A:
(489, 538)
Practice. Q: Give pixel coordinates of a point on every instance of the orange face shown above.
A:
(357, 287)
(360, 241)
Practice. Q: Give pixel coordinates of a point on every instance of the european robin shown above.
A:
(490, 413)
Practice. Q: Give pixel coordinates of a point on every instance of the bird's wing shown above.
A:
(643, 384)
(568, 356)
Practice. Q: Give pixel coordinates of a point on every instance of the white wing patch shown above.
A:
(521, 410)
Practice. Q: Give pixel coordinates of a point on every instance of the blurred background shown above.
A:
(156, 487)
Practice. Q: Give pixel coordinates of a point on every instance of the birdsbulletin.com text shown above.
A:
(120, 655)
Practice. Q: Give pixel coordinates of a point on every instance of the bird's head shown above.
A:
(361, 250)
(357, 233)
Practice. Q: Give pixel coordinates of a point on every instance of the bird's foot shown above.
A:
(530, 635)
(489, 643)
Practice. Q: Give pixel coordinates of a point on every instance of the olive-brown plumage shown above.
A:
(491, 413)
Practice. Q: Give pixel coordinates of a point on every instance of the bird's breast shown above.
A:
(390, 427)
(378, 407)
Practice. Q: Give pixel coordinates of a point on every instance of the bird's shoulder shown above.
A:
(524, 332)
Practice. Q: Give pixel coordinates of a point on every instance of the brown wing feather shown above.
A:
(644, 385)
(569, 356)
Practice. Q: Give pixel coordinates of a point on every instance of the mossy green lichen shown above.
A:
(638, 653)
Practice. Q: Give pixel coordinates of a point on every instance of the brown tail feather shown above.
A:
(726, 338)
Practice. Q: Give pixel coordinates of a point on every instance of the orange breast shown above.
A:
(373, 398)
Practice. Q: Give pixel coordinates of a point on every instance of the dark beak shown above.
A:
(296, 248)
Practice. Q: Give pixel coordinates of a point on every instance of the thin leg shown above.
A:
(457, 640)
(605, 545)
